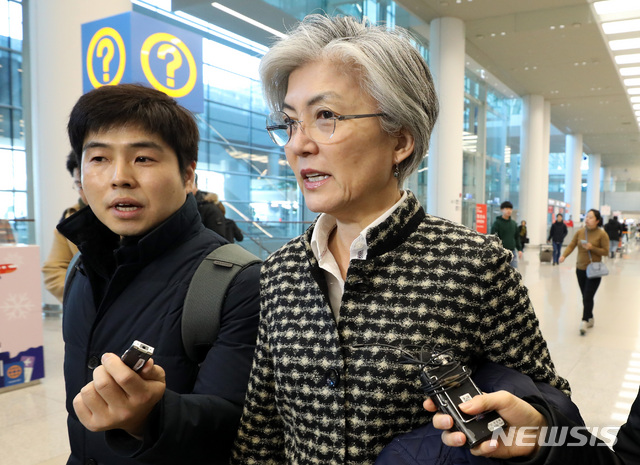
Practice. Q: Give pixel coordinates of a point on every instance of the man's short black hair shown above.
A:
(72, 162)
(138, 106)
(506, 204)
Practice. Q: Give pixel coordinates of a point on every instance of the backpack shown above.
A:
(205, 295)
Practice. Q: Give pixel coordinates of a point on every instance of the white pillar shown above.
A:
(55, 82)
(593, 183)
(533, 170)
(606, 177)
(543, 227)
(543, 189)
(573, 176)
(447, 60)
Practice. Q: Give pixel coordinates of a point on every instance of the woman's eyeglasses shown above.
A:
(320, 128)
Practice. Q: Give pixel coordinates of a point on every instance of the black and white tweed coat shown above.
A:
(314, 398)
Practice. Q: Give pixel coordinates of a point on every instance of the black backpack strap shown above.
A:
(71, 272)
(205, 297)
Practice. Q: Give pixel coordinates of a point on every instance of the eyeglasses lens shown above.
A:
(278, 128)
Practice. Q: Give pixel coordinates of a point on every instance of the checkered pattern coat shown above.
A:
(316, 398)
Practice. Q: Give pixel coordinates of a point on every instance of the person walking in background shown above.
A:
(507, 230)
(625, 231)
(557, 233)
(522, 232)
(613, 228)
(593, 244)
(54, 268)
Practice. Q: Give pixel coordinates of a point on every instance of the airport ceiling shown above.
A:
(552, 48)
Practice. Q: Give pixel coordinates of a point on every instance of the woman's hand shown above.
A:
(515, 411)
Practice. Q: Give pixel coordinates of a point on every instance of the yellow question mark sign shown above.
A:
(175, 63)
(106, 39)
(177, 48)
(105, 44)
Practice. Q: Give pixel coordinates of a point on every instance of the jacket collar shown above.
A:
(392, 232)
(100, 246)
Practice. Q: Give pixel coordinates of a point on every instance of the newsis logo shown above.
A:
(571, 436)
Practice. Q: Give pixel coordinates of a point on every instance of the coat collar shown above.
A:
(102, 248)
(389, 234)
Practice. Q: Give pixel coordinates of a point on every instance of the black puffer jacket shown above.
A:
(124, 292)
(558, 232)
(212, 217)
(613, 228)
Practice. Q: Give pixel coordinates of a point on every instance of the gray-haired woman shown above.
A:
(353, 105)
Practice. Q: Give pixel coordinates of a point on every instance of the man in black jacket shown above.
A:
(141, 241)
(557, 233)
(613, 228)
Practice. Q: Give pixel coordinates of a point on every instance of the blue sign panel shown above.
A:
(104, 52)
(131, 47)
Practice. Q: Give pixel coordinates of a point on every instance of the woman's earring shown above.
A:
(396, 171)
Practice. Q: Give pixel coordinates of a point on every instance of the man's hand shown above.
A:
(118, 397)
(561, 259)
(515, 411)
(519, 253)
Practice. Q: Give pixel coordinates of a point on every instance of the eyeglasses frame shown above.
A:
(292, 122)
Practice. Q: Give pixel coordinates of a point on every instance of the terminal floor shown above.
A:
(603, 366)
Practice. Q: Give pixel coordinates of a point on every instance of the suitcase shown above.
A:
(546, 253)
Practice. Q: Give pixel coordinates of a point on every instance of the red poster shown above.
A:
(481, 217)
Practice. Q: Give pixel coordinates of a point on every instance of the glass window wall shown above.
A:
(491, 148)
(13, 166)
(250, 174)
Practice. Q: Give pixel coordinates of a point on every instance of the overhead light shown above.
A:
(615, 6)
(636, 106)
(624, 44)
(630, 71)
(246, 19)
(620, 27)
(628, 59)
(635, 99)
(632, 82)
(634, 90)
